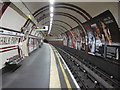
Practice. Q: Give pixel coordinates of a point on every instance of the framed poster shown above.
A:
(103, 35)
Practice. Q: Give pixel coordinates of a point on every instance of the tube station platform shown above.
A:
(44, 68)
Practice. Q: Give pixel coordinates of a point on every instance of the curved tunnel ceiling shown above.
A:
(82, 11)
(41, 13)
(63, 14)
(74, 8)
(64, 7)
(63, 28)
(60, 22)
(66, 15)
(57, 29)
(67, 20)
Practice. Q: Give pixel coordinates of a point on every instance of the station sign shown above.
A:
(44, 28)
(39, 27)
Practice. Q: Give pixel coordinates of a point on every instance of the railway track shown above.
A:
(86, 74)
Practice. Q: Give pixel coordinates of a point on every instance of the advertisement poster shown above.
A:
(99, 39)
(76, 38)
(72, 39)
(91, 38)
(65, 39)
(103, 35)
(69, 39)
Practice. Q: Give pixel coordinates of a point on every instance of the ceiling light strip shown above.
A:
(51, 15)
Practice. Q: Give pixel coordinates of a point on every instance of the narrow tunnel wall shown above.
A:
(106, 47)
(13, 36)
(12, 20)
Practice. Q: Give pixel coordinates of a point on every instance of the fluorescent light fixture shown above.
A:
(50, 27)
(51, 2)
(51, 9)
(49, 31)
(51, 14)
(50, 22)
(51, 19)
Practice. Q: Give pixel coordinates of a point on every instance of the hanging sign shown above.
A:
(44, 28)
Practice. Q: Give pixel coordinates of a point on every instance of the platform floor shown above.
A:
(42, 69)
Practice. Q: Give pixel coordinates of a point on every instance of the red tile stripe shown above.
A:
(8, 50)
(7, 47)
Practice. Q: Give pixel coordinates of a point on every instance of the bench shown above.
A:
(13, 60)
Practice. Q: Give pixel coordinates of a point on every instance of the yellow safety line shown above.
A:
(54, 75)
(64, 74)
